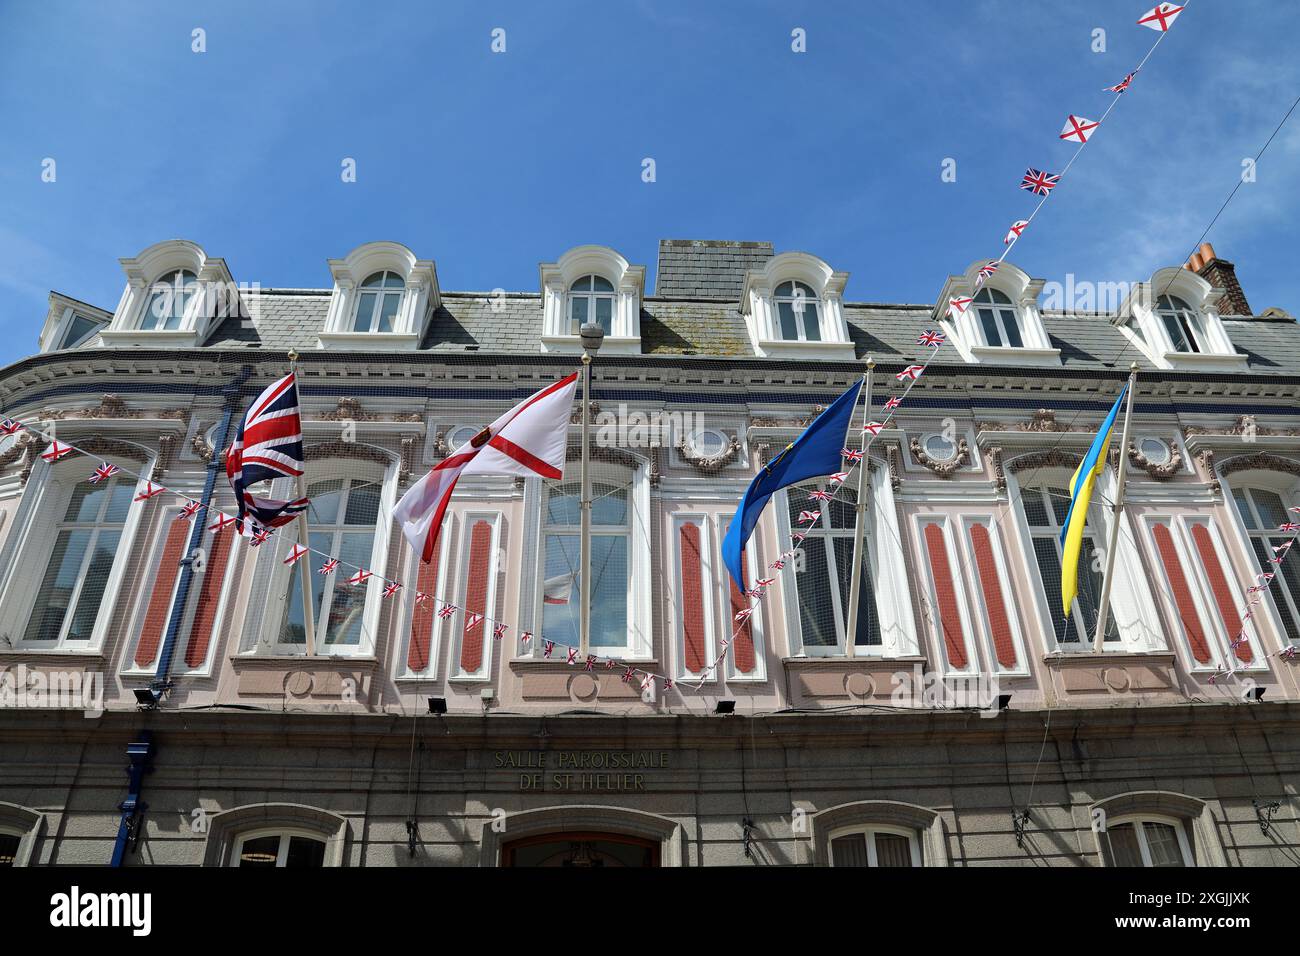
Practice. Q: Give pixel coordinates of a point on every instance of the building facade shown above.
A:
(967, 721)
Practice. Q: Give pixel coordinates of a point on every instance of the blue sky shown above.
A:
(490, 163)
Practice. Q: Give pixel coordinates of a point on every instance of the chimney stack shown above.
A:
(1221, 274)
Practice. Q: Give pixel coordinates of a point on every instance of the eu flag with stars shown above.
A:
(814, 453)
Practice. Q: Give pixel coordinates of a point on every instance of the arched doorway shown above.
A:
(580, 848)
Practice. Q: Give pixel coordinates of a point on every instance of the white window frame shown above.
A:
(1190, 322)
(285, 834)
(381, 293)
(1000, 319)
(1009, 601)
(1136, 820)
(868, 833)
(557, 280)
(455, 674)
(591, 296)
(799, 299)
(191, 290)
(1288, 489)
(710, 570)
(759, 307)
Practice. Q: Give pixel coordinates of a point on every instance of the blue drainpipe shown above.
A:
(140, 754)
(162, 677)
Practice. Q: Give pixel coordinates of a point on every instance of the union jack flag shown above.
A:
(1289, 526)
(391, 588)
(820, 495)
(189, 511)
(573, 656)
(271, 513)
(958, 305)
(329, 566)
(223, 521)
(9, 426)
(473, 620)
(850, 454)
(525, 637)
(1014, 232)
(1038, 182)
(446, 611)
(1123, 84)
(1294, 510)
(1078, 129)
(360, 577)
(267, 445)
(1160, 17)
(547, 647)
(931, 338)
(103, 473)
(628, 675)
(590, 665)
(668, 684)
(874, 427)
(893, 403)
(838, 477)
(498, 632)
(987, 269)
(296, 552)
(56, 451)
(809, 516)
(1289, 653)
(912, 372)
(149, 492)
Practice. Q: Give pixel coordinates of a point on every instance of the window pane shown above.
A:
(1049, 568)
(1035, 509)
(365, 312)
(578, 312)
(560, 608)
(92, 587)
(1124, 850)
(1060, 502)
(363, 505)
(1162, 844)
(55, 592)
(785, 288)
(86, 500)
(893, 850)
(608, 505)
(992, 335)
(562, 506)
(304, 852)
(292, 631)
(348, 602)
(262, 852)
(601, 284)
(1271, 510)
(79, 329)
(1175, 331)
(605, 314)
(1012, 326)
(325, 498)
(789, 330)
(1243, 508)
(1090, 585)
(811, 318)
(609, 590)
(388, 311)
(816, 610)
(120, 494)
(849, 850)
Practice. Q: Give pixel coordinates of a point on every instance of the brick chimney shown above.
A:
(1221, 274)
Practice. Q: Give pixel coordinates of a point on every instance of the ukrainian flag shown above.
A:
(1093, 464)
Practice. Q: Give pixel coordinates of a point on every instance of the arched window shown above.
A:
(1046, 508)
(999, 319)
(591, 299)
(1262, 512)
(611, 511)
(875, 846)
(1150, 841)
(81, 560)
(379, 300)
(798, 311)
(341, 522)
(278, 848)
(827, 569)
(1182, 324)
(168, 300)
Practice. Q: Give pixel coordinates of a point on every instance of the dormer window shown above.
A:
(998, 319)
(1182, 323)
(591, 299)
(378, 303)
(169, 298)
(798, 311)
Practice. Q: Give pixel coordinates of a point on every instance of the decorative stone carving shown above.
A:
(576, 417)
(709, 464)
(17, 449)
(1052, 458)
(354, 451)
(349, 410)
(894, 459)
(999, 476)
(166, 455)
(1244, 426)
(1206, 460)
(1043, 420)
(109, 407)
(1261, 461)
(944, 469)
(203, 448)
(1158, 472)
(440, 448)
(409, 443)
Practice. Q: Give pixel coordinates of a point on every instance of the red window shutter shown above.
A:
(205, 611)
(692, 607)
(986, 563)
(160, 599)
(742, 644)
(949, 615)
(424, 617)
(476, 587)
(1221, 589)
(1182, 593)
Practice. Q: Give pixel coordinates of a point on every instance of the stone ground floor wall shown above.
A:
(685, 783)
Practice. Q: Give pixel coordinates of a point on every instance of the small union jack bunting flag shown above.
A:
(473, 620)
(498, 632)
(1289, 526)
(189, 511)
(628, 674)
(850, 454)
(1256, 588)
(777, 565)
(873, 428)
(446, 611)
(420, 597)
(1038, 182)
(573, 656)
(958, 305)
(931, 338)
(912, 372)
(149, 492)
(668, 684)
(744, 614)
(755, 592)
(820, 495)
(260, 537)
(329, 566)
(391, 588)
(360, 577)
(1078, 129)
(838, 477)
(103, 473)
(1123, 84)
(1160, 17)
(1015, 231)
(1266, 576)
(9, 426)
(56, 451)
(547, 647)
(987, 270)
(798, 536)
(296, 552)
(591, 663)
(809, 516)
(223, 521)
(609, 664)
(1289, 653)
(525, 637)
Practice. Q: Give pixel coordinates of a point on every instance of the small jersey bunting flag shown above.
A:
(56, 451)
(1160, 17)
(149, 492)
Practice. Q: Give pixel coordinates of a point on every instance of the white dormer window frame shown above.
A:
(393, 311)
(576, 282)
(981, 334)
(1172, 319)
(152, 279)
(70, 324)
(770, 300)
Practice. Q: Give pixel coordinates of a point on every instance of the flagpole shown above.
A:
(1121, 472)
(584, 558)
(859, 524)
(304, 563)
